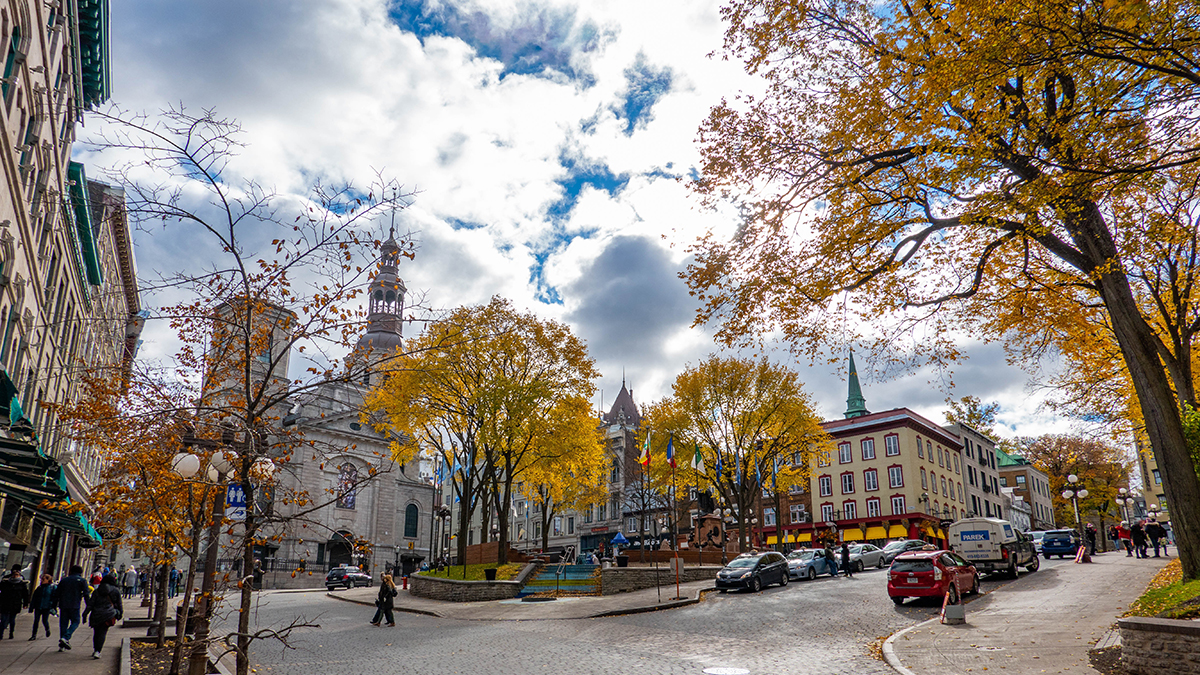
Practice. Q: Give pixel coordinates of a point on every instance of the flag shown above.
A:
(775, 473)
(757, 475)
(720, 464)
(644, 458)
(737, 463)
(698, 461)
(671, 450)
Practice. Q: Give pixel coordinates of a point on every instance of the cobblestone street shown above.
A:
(823, 626)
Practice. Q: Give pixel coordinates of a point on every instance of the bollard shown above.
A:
(405, 578)
(953, 615)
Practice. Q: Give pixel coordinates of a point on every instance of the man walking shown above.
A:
(173, 582)
(129, 582)
(1156, 534)
(847, 566)
(1138, 533)
(1126, 542)
(72, 594)
(14, 596)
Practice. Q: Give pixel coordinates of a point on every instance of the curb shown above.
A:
(889, 652)
(396, 608)
(125, 664)
(655, 608)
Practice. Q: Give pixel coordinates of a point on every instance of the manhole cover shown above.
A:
(726, 671)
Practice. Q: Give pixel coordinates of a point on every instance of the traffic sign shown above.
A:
(235, 503)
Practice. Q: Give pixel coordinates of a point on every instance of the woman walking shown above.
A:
(105, 610)
(385, 602)
(42, 603)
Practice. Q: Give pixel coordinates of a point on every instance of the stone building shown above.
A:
(379, 523)
(982, 474)
(1030, 484)
(68, 292)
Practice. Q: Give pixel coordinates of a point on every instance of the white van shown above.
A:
(993, 545)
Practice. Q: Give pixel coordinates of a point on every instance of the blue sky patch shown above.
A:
(541, 41)
(645, 85)
(581, 173)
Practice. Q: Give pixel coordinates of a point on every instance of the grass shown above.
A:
(1168, 596)
(475, 572)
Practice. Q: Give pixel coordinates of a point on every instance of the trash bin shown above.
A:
(489, 573)
(622, 561)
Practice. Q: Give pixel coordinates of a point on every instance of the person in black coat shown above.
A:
(41, 604)
(14, 596)
(1138, 534)
(72, 595)
(385, 601)
(1156, 533)
(847, 567)
(104, 611)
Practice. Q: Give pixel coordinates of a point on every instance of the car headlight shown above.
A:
(745, 574)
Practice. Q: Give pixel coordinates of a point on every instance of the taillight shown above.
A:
(937, 573)
(1004, 553)
(345, 577)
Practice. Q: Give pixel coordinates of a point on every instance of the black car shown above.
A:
(895, 548)
(754, 571)
(345, 577)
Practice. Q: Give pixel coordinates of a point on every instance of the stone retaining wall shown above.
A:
(624, 579)
(457, 590)
(1152, 646)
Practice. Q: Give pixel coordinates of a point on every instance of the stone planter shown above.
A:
(1151, 646)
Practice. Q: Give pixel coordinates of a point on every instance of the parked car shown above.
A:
(923, 574)
(1061, 543)
(866, 555)
(346, 577)
(897, 547)
(1036, 536)
(993, 545)
(754, 571)
(807, 563)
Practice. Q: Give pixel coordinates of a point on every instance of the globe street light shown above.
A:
(1075, 495)
(1125, 501)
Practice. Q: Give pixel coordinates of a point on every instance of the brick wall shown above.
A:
(624, 579)
(485, 554)
(1152, 646)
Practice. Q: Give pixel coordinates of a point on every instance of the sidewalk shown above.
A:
(1044, 622)
(41, 657)
(645, 600)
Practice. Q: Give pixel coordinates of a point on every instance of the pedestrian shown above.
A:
(104, 611)
(1156, 533)
(72, 592)
(1138, 534)
(129, 582)
(41, 604)
(1090, 533)
(14, 596)
(1126, 542)
(847, 567)
(172, 582)
(385, 602)
(830, 562)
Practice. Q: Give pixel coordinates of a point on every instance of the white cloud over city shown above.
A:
(550, 144)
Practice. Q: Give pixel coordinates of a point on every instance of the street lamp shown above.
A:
(1125, 501)
(1075, 495)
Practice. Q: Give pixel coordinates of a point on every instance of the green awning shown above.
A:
(82, 208)
(94, 58)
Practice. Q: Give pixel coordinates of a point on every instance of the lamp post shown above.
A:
(1075, 495)
(220, 464)
(1125, 501)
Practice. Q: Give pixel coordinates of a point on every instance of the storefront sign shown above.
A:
(110, 532)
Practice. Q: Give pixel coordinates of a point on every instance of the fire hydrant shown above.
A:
(405, 578)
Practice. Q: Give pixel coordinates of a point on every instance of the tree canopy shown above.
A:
(920, 171)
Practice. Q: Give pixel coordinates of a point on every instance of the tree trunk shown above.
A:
(1159, 404)
(247, 573)
(186, 605)
(160, 605)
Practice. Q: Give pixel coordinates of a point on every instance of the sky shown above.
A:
(550, 145)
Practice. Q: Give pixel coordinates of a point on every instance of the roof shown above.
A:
(624, 410)
(890, 418)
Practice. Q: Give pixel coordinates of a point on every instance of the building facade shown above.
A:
(1031, 485)
(68, 293)
(1153, 491)
(982, 475)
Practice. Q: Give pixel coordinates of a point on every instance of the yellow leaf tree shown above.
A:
(753, 422)
(957, 167)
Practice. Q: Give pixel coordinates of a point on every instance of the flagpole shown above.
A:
(675, 533)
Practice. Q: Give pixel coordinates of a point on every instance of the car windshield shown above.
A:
(800, 555)
(894, 545)
(743, 562)
(1057, 534)
(912, 566)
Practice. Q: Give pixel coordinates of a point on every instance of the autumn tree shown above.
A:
(753, 422)
(953, 167)
(493, 385)
(265, 311)
(1101, 468)
(570, 476)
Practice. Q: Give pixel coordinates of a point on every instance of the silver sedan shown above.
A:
(866, 555)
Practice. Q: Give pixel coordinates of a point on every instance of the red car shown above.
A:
(923, 574)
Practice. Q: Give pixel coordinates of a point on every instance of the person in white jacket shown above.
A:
(129, 582)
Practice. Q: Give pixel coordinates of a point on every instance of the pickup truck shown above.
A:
(993, 546)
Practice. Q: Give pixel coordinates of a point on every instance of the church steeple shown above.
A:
(856, 405)
(385, 302)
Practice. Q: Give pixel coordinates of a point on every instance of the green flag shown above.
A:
(698, 461)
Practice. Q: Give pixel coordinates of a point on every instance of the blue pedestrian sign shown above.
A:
(235, 503)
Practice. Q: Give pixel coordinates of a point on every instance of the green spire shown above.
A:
(856, 405)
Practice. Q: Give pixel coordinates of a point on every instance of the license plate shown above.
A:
(914, 580)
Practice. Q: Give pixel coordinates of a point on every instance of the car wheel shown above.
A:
(1013, 572)
(974, 589)
(1047, 555)
(897, 599)
(812, 573)
(1034, 564)
(953, 593)
(785, 580)
(858, 566)
(349, 584)
(882, 564)
(756, 584)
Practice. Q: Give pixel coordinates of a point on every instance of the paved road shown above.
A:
(821, 626)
